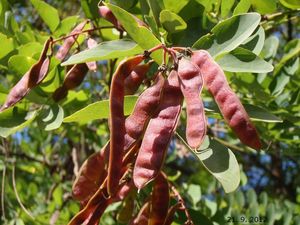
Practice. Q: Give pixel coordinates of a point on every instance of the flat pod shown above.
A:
(91, 174)
(69, 42)
(30, 79)
(73, 79)
(158, 133)
(228, 102)
(117, 120)
(107, 14)
(159, 201)
(191, 83)
(145, 107)
(135, 79)
(75, 76)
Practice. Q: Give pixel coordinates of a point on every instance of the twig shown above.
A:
(17, 195)
(30, 158)
(81, 32)
(183, 204)
(4, 148)
(3, 191)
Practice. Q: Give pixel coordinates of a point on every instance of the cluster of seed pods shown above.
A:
(138, 143)
(135, 153)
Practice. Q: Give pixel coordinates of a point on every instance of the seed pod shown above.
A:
(228, 102)
(107, 14)
(159, 201)
(73, 79)
(95, 207)
(143, 216)
(68, 43)
(158, 133)
(146, 105)
(136, 77)
(191, 84)
(117, 120)
(91, 43)
(30, 79)
(91, 174)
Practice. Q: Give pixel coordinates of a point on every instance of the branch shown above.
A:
(17, 195)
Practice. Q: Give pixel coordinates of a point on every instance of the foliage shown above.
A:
(44, 142)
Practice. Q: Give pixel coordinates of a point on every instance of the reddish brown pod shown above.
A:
(159, 201)
(107, 14)
(73, 79)
(228, 102)
(30, 79)
(91, 175)
(146, 105)
(158, 133)
(68, 42)
(191, 83)
(136, 77)
(117, 120)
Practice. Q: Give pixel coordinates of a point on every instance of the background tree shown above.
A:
(44, 141)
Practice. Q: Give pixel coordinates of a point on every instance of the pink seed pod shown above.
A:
(191, 83)
(229, 103)
(158, 133)
(146, 105)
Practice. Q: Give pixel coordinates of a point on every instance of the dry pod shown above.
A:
(73, 79)
(117, 120)
(30, 79)
(69, 41)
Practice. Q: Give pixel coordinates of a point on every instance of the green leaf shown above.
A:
(194, 192)
(243, 60)
(291, 4)
(7, 45)
(30, 49)
(265, 6)
(257, 113)
(221, 163)
(51, 117)
(171, 21)
(105, 50)
(14, 119)
(48, 13)
(255, 42)
(226, 6)
(174, 6)
(99, 110)
(228, 34)
(20, 64)
(282, 78)
(140, 34)
(90, 8)
(242, 7)
(291, 50)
